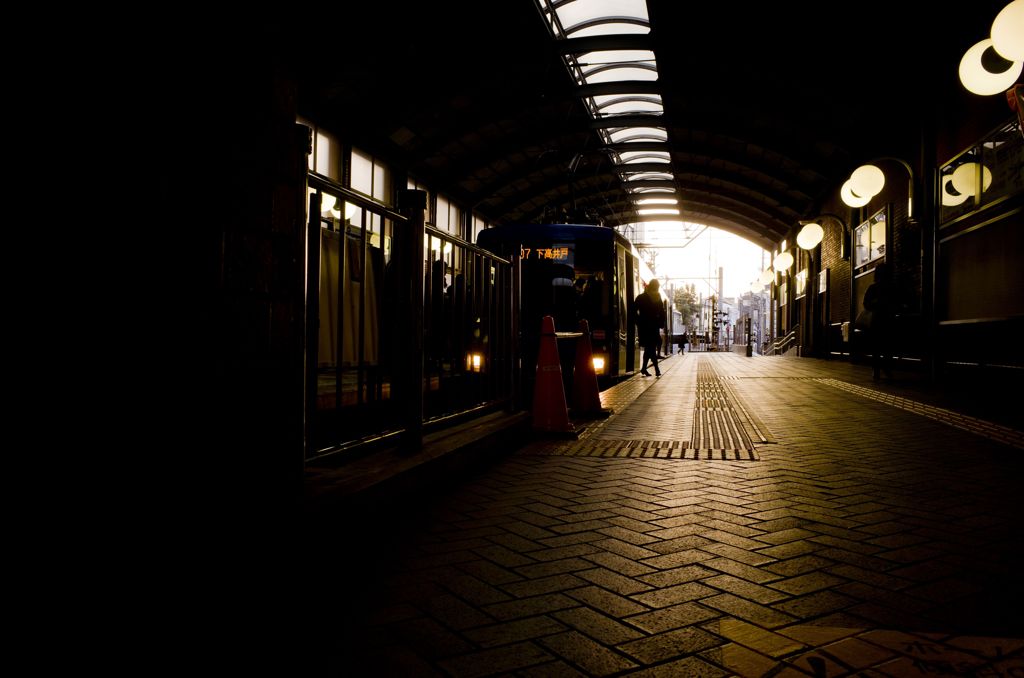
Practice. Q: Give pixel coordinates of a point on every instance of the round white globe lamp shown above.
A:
(810, 235)
(852, 199)
(1008, 31)
(950, 196)
(964, 177)
(978, 79)
(867, 181)
(783, 261)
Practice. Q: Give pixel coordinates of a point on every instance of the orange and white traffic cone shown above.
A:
(549, 410)
(586, 399)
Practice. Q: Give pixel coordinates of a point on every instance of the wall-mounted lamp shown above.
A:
(851, 198)
(810, 235)
(962, 183)
(782, 261)
(993, 65)
(339, 206)
(868, 180)
(865, 183)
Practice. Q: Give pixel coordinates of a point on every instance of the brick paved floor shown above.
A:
(863, 537)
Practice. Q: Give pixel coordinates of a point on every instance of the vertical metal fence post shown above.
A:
(409, 248)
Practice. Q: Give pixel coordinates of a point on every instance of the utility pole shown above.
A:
(720, 278)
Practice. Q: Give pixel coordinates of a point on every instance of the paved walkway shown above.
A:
(739, 516)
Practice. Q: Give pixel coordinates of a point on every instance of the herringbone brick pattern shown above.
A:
(867, 540)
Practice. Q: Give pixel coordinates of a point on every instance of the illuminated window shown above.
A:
(370, 177)
(869, 239)
(326, 155)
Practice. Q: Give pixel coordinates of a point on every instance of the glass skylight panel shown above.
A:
(629, 157)
(617, 56)
(617, 65)
(625, 134)
(618, 73)
(647, 176)
(583, 18)
(628, 106)
(579, 11)
(604, 100)
(653, 189)
(605, 28)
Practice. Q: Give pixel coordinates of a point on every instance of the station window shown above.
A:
(370, 177)
(326, 158)
(869, 239)
(800, 283)
(448, 217)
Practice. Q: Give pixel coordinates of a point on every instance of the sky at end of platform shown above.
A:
(741, 261)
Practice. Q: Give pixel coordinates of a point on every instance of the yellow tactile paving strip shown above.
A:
(701, 421)
(964, 422)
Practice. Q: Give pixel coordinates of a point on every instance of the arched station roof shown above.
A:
(746, 114)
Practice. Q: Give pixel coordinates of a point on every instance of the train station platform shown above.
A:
(764, 516)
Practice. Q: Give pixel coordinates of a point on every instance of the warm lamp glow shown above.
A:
(851, 198)
(657, 210)
(950, 196)
(436, 246)
(810, 235)
(965, 175)
(983, 71)
(867, 181)
(767, 275)
(1008, 31)
(783, 261)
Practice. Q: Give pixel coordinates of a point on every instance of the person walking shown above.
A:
(649, 315)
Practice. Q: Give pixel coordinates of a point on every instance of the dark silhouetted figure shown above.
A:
(878, 299)
(650, 318)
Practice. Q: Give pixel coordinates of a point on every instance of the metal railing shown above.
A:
(407, 325)
(780, 346)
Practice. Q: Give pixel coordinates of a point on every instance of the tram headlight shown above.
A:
(599, 363)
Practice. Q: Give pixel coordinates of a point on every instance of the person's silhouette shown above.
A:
(878, 299)
(650, 318)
